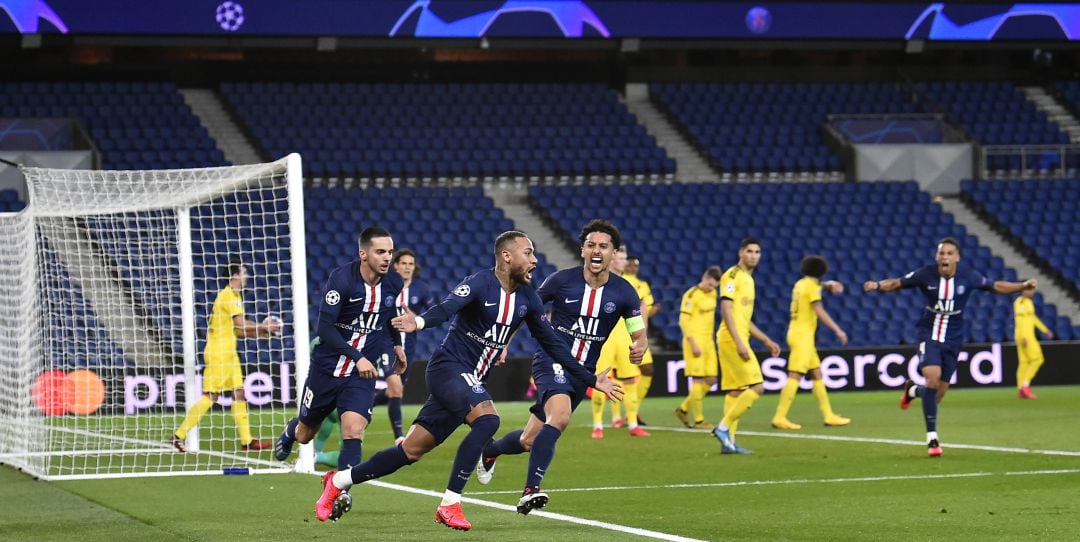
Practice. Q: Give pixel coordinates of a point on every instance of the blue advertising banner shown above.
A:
(559, 19)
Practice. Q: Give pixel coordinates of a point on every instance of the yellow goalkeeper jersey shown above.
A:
(221, 335)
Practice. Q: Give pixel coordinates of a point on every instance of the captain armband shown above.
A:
(635, 324)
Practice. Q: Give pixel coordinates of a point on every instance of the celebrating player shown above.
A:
(415, 296)
(946, 287)
(353, 331)
(222, 371)
(587, 304)
(487, 308)
(806, 310)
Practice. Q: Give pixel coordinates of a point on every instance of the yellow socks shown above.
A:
(740, 406)
(598, 399)
(697, 395)
(198, 410)
(822, 397)
(630, 397)
(240, 415)
(729, 402)
(787, 396)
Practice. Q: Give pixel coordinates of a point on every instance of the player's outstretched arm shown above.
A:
(826, 319)
(545, 335)
(248, 328)
(1006, 287)
(885, 286)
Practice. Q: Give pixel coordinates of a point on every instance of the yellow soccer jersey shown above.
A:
(1026, 319)
(806, 292)
(644, 291)
(697, 313)
(221, 336)
(738, 286)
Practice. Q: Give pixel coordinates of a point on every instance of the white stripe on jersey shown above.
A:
(591, 300)
(504, 317)
(345, 364)
(946, 292)
(402, 304)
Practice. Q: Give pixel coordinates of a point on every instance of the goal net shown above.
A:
(108, 281)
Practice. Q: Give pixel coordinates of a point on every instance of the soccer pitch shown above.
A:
(1010, 470)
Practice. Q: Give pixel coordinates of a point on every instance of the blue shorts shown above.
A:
(943, 355)
(323, 392)
(454, 392)
(551, 380)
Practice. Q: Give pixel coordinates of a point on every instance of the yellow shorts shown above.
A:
(1030, 353)
(737, 373)
(616, 354)
(804, 356)
(222, 375)
(702, 366)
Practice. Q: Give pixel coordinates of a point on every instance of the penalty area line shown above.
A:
(799, 481)
(540, 513)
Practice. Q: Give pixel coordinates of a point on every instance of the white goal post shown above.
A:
(107, 284)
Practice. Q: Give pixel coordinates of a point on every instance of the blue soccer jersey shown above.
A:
(354, 320)
(485, 317)
(584, 316)
(943, 316)
(417, 297)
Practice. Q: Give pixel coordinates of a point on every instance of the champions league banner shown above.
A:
(558, 19)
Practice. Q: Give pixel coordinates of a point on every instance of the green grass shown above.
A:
(790, 489)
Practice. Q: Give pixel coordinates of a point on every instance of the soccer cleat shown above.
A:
(617, 423)
(283, 447)
(836, 420)
(255, 446)
(641, 422)
(905, 399)
(934, 448)
(452, 516)
(727, 444)
(178, 443)
(784, 423)
(683, 416)
(531, 499)
(702, 424)
(485, 469)
(639, 432)
(597, 433)
(1025, 393)
(739, 450)
(333, 502)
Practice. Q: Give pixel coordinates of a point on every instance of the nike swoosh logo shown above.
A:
(354, 300)
(931, 287)
(486, 304)
(571, 300)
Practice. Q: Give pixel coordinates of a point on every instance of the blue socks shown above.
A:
(509, 444)
(384, 462)
(351, 453)
(929, 407)
(483, 428)
(393, 408)
(543, 452)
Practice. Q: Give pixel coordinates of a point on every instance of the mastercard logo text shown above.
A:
(57, 393)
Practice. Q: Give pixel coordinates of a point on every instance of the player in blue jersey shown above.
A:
(354, 331)
(946, 287)
(487, 307)
(586, 304)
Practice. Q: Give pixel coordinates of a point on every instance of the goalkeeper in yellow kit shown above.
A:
(222, 372)
(806, 310)
(1028, 348)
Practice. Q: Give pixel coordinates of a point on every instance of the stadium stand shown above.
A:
(1039, 214)
(135, 125)
(758, 127)
(450, 130)
(866, 230)
(451, 230)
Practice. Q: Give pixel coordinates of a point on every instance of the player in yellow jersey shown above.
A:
(649, 308)
(806, 310)
(222, 373)
(1027, 344)
(697, 321)
(615, 354)
(742, 381)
